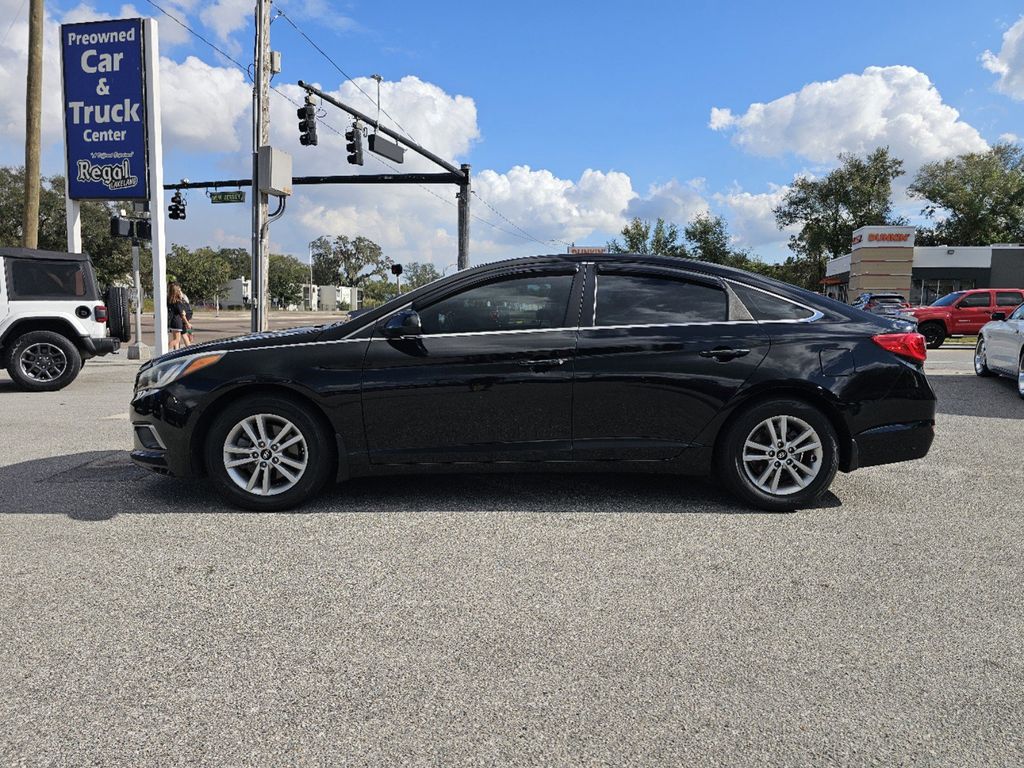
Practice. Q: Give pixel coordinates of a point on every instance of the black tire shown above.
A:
(934, 334)
(319, 454)
(119, 313)
(35, 357)
(981, 359)
(733, 470)
(1020, 376)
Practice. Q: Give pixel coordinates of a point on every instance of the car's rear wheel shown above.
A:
(268, 453)
(779, 455)
(119, 313)
(981, 358)
(43, 361)
(934, 334)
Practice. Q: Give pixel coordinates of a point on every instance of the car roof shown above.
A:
(36, 253)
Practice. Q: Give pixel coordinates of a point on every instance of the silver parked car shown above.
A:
(1000, 347)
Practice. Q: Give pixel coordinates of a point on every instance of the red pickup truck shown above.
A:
(964, 312)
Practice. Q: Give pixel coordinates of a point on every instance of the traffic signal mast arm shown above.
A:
(312, 89)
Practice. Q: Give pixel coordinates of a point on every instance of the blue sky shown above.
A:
(574, 116)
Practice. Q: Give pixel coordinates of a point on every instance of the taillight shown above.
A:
(908, 345)
(871, 305)
(100, 313)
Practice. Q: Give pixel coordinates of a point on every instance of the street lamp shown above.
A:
(445, 270)
(309, 296)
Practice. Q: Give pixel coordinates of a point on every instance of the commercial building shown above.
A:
(884, 259)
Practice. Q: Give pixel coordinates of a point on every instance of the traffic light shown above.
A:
(307, 125)
(176, 210)
(396, 269)
(354, 137)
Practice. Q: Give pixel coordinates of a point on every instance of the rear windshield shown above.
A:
(49, 279)
(949, 298)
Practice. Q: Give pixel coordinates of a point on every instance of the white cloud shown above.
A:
(1009, 138)
(750, 215)
(673, 201)
(202, 105)
(225, 17)
(1008, 64)
(896, 106)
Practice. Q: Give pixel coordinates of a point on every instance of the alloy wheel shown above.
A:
(1020, 377)
(979, 358)
(43, 361)
(782, 455)
(265, 454)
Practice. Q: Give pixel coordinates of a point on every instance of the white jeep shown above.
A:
(52, 317)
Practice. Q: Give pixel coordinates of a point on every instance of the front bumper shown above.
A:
(161, 431)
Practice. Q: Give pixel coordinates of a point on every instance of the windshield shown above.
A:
(948, 299)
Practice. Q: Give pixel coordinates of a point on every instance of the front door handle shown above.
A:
(723, 354)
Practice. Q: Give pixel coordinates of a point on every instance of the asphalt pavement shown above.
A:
(509, 620)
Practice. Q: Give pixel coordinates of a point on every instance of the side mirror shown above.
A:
(404, 323)
(998, 315)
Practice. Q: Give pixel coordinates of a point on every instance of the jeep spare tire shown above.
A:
(119, 313)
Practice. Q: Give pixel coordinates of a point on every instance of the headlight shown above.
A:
(162, 374)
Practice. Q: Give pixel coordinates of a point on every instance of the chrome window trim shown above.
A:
(479, 333)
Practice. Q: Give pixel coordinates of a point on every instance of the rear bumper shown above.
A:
(95, 347)
(890, 444)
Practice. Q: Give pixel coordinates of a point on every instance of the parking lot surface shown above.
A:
(509, 620)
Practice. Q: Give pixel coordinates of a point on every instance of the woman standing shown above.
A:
(177, 320)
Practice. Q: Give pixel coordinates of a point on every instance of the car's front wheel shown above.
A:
(268, 453)
(981, 358)
(779, 455)
(1020, 375)
(43, 361)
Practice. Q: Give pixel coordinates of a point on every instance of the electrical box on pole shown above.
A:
(275, 172)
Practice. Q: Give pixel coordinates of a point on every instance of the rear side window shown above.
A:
(766, 307)
(975, 300)
(1008, 298)
(48, 279)
(650, 300)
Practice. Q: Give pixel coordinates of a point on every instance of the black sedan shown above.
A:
(551, 363)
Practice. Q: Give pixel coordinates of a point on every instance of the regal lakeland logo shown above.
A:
(117, 176)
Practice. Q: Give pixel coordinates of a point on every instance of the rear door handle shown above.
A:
(723, 354)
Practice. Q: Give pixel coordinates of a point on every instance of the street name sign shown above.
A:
(236, 196)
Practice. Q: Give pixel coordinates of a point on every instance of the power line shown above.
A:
(13, 19)
(344, 74)
(507, 219)
(186, 27)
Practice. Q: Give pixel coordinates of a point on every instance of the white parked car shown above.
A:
(1000, 347)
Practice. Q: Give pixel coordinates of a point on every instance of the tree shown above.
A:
(348, 261)
(202, 274)
(286, 277)
(111, 256)
(639, 237)
(376, 292)
(976, 198)
(416, 274)
(829, 209)
(708, 239)
(239, 261)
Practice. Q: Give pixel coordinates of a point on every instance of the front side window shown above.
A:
(1018, 313)
(945, 301)
(523, 303)
(1008, 298)
(975, 300)
(47, 279)
(767, 307)
(649, 300)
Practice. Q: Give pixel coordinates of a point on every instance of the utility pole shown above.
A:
(33, 119)
(260, 137)
(464, 192)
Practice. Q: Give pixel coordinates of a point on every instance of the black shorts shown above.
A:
(176, 323)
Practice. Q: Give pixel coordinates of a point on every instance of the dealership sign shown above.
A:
(105, 110)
